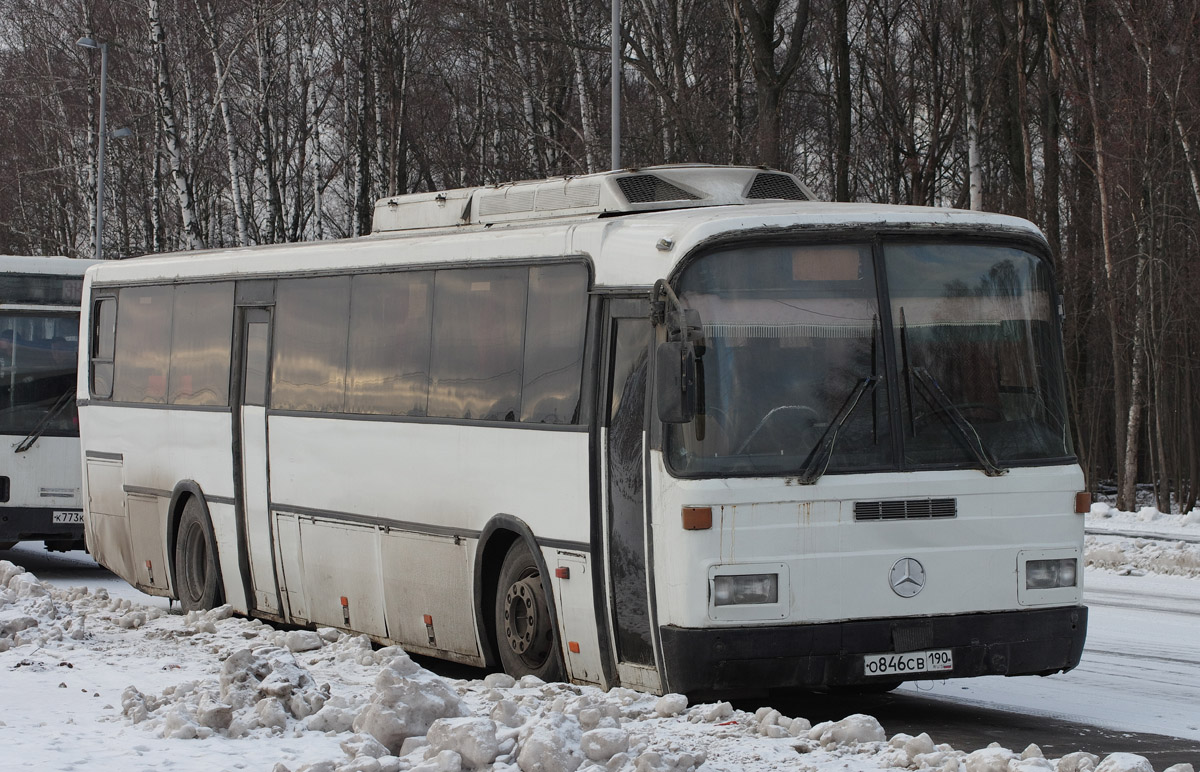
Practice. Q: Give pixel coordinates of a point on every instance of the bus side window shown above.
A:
(200, 344)
(478, 337)
(104, 335)
(554, 330)
(144, 316)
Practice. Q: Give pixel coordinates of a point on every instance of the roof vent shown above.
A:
(506, 201)
(767, 185)
(649, 188)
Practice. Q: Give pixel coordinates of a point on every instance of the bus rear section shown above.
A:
(40, 478)
(871, 478)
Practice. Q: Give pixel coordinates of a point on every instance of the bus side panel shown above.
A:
(341, 575)
(576, 615)
(138, 456)
(104, 522)
(423, 576)
(424, 491)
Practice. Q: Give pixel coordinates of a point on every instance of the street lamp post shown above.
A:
(618, 45)
(87, 42)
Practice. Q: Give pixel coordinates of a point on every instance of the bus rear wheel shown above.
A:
(524, 630)
(198, 581)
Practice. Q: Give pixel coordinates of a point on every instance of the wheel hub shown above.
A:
(524, 621)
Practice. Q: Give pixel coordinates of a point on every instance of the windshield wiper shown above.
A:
(818, 462)
(937, 399)
(43, 424)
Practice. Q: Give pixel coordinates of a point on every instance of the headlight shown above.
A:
(740, 589)
(1047, 574)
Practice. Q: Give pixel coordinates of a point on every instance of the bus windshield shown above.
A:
(802, 374)
(37, 373)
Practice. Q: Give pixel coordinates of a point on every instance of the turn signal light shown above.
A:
(1083, 503)
(697, 518)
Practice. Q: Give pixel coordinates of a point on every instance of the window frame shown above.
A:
(97, 337)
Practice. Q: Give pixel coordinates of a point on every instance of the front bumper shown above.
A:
(816, 656)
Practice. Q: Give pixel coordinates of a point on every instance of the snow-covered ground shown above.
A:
(107, 679)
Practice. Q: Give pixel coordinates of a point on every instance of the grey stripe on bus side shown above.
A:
(406, 525)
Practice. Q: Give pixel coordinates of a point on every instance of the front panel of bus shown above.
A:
(39, 426)
(879, 482)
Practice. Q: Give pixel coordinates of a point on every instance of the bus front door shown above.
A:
(627, 538)
(252, 458)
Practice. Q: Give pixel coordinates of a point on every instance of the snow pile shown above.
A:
(1146, 541)
(215, 691)
(1140, 556)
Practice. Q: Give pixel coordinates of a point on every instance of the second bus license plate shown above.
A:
(69, 518)
(932, 661)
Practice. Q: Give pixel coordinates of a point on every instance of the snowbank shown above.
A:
(212, 691)
(1155, 549)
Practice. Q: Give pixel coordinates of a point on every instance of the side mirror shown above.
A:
(675, 381)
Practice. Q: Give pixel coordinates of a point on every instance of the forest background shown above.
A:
(267, 121)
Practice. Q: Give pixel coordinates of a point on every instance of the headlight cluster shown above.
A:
(741, 589)
(1048, 574)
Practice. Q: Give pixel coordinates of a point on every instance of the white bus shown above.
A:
(678, 429)
(40, 488)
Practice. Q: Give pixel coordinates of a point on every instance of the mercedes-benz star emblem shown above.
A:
(908, 577)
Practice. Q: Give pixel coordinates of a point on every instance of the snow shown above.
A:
(1146, 541)
(100, 681)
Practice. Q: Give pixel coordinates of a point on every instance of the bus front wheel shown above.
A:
(198, 579)
(524, 630)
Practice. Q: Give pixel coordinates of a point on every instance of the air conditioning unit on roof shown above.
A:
(607, 193)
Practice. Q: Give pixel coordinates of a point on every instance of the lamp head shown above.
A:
(87, 42)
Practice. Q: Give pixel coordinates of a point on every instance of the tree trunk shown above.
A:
(587, 112)
(171, 140)
(1124, 413)
(268, 163)
(841, 76)
(971, 108)
(363, 205)
(231, 148)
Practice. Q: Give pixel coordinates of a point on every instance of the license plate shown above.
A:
(67, 518)
(932, 661)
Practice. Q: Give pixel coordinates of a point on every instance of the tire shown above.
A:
(197, 576)
(525, 635)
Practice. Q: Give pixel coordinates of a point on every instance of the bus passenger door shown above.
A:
(626, 535)
(252, 458)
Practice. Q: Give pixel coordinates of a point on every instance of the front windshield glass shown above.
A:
(792, 338)
(795, 378)
(979, 350)
(37, 373)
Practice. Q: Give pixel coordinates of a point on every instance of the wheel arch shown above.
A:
(184, 490)
(498, 536)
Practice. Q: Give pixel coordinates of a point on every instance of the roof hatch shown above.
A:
(622, 191)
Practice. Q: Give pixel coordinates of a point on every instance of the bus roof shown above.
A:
(65, 266)
(632, 249)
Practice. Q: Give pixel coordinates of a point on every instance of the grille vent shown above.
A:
(507, 202)
(907, 509)
(775, 186)
(648, 188)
